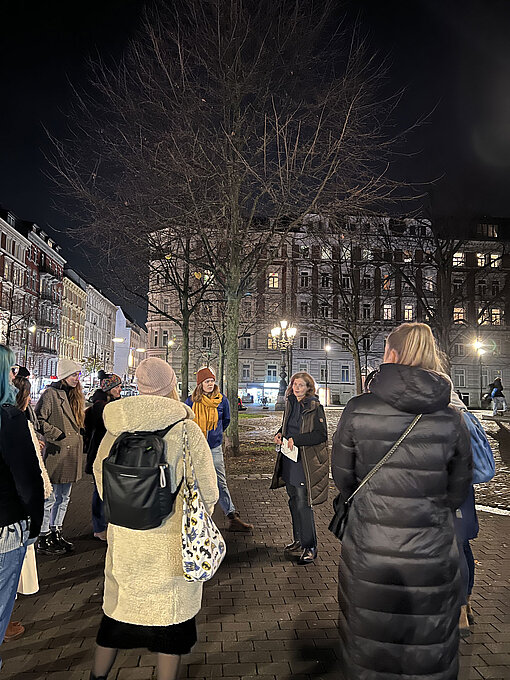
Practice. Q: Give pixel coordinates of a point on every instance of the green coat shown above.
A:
(63, 457)
(315, 457)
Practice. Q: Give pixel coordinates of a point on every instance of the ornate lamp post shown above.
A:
(283, 339)
(327, 349)
(480, 349)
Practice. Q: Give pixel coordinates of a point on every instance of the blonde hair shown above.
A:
(307, 378)
(198, 392)
(174, 394)
(415, 345)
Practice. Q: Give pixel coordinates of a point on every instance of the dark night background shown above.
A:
(452, 58)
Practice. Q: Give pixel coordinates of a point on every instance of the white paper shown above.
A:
(290, 453)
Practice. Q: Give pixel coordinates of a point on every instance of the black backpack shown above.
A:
(137, 481)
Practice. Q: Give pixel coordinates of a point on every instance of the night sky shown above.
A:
(452, 57)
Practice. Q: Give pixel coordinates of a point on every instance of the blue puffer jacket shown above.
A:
(215, 437)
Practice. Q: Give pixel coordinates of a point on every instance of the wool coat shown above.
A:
(63, 455)
(144, 579)
(313, 451)
(399, 580)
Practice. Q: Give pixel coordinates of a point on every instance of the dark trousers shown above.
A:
(303, 523)
(470, 562)
(98, 520)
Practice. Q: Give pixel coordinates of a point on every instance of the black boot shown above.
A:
(293, 547)
(46, 545)
(66, 545)
(96, 677)
(307, 556)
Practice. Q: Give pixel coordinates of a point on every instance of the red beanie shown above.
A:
(204, 374)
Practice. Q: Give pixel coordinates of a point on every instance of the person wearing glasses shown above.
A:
(61, 414)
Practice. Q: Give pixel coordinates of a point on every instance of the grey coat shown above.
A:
(63, 455)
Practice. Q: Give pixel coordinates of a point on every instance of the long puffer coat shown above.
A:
(399, 580)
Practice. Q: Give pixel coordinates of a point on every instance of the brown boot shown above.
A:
(14, 631)
(236, 523)
(463, 622)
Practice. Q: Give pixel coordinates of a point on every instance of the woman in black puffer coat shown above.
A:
(399, 580)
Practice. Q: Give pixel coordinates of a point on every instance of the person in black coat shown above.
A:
(21, 490)
(400, 588)
(95, 430)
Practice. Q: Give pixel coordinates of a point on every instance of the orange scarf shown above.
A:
(206, 412)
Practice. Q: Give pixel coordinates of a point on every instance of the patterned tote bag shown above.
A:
(203, 547)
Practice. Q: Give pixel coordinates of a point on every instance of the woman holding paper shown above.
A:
(302, 464)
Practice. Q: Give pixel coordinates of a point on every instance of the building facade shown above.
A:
(344, 294)
(72, 320)
(98, 345)
(130, 346)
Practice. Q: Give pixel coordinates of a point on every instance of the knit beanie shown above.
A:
(204, 374)
(155, 377)
(108, 380)
(66, 367)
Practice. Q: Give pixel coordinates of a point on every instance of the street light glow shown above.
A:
(284, 324)
(275, 332)
(328, 348)
(119, 339)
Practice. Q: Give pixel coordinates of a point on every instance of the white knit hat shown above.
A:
(155, 377)
(66, 367)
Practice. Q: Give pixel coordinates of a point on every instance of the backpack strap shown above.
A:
(162, 433)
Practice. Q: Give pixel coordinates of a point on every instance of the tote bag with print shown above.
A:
(203, 546)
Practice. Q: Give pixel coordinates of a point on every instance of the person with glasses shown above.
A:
(61, 414)
(21, 490)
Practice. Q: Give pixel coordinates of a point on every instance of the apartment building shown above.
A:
(72, 320)
(98, 345)
(130, 346)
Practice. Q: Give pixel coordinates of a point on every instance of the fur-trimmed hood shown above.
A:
(144, 413)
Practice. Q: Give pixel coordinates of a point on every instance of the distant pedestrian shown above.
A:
(302, 464)
(148, 603)
(61, 413)
(212, 415)
(498, 398)
(400, 586)
(110, 388)
(21, 490)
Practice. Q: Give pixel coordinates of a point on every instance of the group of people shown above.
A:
(405, 572)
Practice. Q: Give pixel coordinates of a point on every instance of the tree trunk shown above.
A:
(185, 358)
(221, 365)
(232, 370)
(357, 368)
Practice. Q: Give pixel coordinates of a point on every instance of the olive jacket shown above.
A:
(63, 455)
(313, 448)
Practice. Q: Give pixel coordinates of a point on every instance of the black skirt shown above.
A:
(178, 638)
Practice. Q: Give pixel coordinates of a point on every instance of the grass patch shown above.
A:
(254, 458)
(242, 416)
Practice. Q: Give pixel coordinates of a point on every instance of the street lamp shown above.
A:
(327, 349)
(480, 349)
(283, 339)
(31, 329)
(169, 344)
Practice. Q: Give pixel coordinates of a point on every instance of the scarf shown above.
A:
(206, 412)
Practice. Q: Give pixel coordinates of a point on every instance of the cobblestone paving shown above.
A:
(264, 618)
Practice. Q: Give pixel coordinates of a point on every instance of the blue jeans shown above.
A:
(10, 570)
(55, 507)
(225, 499)
(303, 522)
(98, 520)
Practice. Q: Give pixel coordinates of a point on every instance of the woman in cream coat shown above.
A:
(147, 601)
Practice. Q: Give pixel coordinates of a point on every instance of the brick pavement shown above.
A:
(264, 618)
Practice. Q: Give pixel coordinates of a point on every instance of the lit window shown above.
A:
(495, 260)
(386, 282)
(496, 316)
(324, 342)
(345, 253)
(274, 280)
(345, 341)
(387, 313)
(303, 341)
(407, 256)
(271, 342)
(428, 284)
(304, 251)
(458, 314)
(408, 313)
(326, 253)
(304, 279)
(345, 374)
(480, 259)
(458, 259)
(366, 254)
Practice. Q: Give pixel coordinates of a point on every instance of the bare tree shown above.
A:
(227, 122)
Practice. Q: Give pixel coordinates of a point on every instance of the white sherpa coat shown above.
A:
(144, 580)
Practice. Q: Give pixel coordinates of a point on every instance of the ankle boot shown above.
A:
(237, 524)
(62, 542)
(46, 545)
(14, 630)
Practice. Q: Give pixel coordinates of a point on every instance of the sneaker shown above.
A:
(237, 524)
(307, 556)
(61, 541)
(293, 547)
(14, 630)
(101, 535)
(46, 545)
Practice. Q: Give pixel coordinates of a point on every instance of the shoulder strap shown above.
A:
(385, 458)
(160, 433)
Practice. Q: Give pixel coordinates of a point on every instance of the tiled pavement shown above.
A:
(263, 618)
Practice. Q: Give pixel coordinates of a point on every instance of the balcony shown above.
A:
(42, 349)
(45, 272)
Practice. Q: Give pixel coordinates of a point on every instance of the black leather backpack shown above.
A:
(139, 488)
